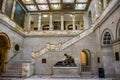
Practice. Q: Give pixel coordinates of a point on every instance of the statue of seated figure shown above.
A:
(69, 61)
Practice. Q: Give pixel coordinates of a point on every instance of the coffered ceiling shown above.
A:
(55, 5)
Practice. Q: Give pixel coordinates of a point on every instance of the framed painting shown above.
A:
(19, 15)
(1, 1)
(8, 8)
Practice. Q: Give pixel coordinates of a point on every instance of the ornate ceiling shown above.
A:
(55, 5)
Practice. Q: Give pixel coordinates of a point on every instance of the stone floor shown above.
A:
(48, 77)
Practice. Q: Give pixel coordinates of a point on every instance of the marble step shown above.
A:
(65, 76)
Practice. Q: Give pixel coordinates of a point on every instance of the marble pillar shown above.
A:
(73, 20)
(50, 23)
(39, 22)
(62, 22)
(29, 21)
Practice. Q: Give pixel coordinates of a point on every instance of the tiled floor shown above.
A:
(48, 77)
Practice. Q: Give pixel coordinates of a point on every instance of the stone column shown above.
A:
(3, 6)
(105, 3)
(73, 20)
(29, 22)
(50, 22)
(98, 8)
(13, 10)
(62, 22)
(39, 22)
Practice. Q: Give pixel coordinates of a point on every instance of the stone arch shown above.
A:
(107, 34)
(107, 53)
(4, 50)
(85, 60)
(118, 30)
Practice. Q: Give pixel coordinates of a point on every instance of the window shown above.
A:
(90, 18)
(107, 38)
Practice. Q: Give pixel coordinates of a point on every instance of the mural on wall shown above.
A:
(19, 15)
(1, 1)
(8, 9)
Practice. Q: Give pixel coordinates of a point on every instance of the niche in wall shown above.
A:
(44, 60)
(16, 47)
(117, 58)
(98, 59)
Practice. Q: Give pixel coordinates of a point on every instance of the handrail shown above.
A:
(11, 58)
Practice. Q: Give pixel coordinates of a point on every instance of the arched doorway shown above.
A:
(85, 61)
(4, 48)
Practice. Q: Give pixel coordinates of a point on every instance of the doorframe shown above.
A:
(7, 48)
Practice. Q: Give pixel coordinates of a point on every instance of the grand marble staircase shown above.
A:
(15, 70)
(60, 46)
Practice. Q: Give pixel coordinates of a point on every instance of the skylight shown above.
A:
(28, 1)
(54, 5)
(41, 1)
(31, 7)
(68, 1)
(54, 1)
(43, 7)
(80, 6)
(81, 0)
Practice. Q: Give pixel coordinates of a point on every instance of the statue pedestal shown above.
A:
(65, 72)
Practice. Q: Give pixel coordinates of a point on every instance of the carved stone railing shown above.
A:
(48, 47)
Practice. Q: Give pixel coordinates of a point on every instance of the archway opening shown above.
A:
(4, 48)
(85, 60)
